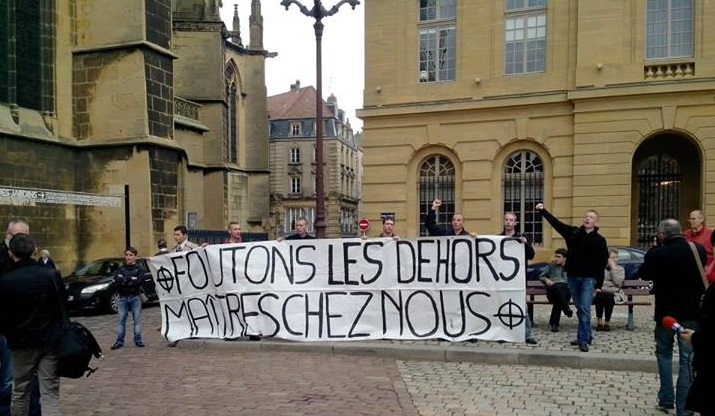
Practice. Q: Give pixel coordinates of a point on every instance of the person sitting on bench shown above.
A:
(557, 288)
(612, 282)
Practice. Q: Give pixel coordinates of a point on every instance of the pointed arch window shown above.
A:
(522, 189)
(437, 177)
(232, 125)
(27, 31)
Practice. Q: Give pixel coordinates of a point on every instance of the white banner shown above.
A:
(454, 288)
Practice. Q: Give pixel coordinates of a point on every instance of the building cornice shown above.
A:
(541, 98)
(139, 44)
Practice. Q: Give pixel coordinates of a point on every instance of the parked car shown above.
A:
(92, 286)
(630, 258)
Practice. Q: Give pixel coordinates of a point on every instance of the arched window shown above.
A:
(436, 181)
(522, 189)
(659, 179)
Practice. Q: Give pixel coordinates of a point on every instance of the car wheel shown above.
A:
(113, 302)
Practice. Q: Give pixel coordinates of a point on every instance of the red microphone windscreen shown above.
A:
(668, 322)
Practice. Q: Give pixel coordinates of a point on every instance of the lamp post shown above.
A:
(318, 12)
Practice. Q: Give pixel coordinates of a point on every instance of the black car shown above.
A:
(92, 286)
(630, 258)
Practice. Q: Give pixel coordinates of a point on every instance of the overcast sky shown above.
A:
(291, 35)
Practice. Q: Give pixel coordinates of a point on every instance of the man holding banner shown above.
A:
(509, 230)
(301, 230)
(181, 236)
(456, 228)
(234, 233)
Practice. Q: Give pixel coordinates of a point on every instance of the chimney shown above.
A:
(295, 87)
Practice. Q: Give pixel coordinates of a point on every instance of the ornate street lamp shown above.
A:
(318, 12)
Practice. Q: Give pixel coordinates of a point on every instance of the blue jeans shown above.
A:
(527, 328)
(126, 304)
(582, 289)
(664, 341)
(5, 377)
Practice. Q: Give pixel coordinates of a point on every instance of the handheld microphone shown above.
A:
(670, 323)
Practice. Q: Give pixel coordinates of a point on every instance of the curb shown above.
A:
(408, 352)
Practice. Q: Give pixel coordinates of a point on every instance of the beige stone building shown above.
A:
(155, 94)
(496, 105)
(293, 162)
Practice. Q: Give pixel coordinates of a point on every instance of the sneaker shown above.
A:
(139, 344)
(254, 337)
(583, 347)
(599, 327)
(117, 345)
(531, 341)
(576, 343)
(664, 408)
(606, 327)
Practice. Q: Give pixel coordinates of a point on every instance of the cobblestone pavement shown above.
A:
(457, 389)
(231, 379)
(157, 380)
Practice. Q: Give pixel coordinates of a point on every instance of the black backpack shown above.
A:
(77, 346)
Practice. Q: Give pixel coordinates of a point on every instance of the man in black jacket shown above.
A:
(16, 226)
(129, 279)
(456, 228)
(31, 320)
(588, 257)
(301, 231)
(678, 288)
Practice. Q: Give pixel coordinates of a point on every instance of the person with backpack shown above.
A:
(31, 298)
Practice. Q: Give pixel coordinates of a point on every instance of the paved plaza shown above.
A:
(427, 378)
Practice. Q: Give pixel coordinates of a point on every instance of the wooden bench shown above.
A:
(632, 288)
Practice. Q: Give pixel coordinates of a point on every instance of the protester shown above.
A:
(509, 230)
(703, 343)
(557, 288)
(31, 319)
(162, 245)
(456, 228)
(46, 260)
(234, 233)
(129, 278)
(388, 228)
(301, 230)
(181, 236)
(604, 299)
(678, 288)
(588, 256)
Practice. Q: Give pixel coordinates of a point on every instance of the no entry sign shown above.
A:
(363, 224)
